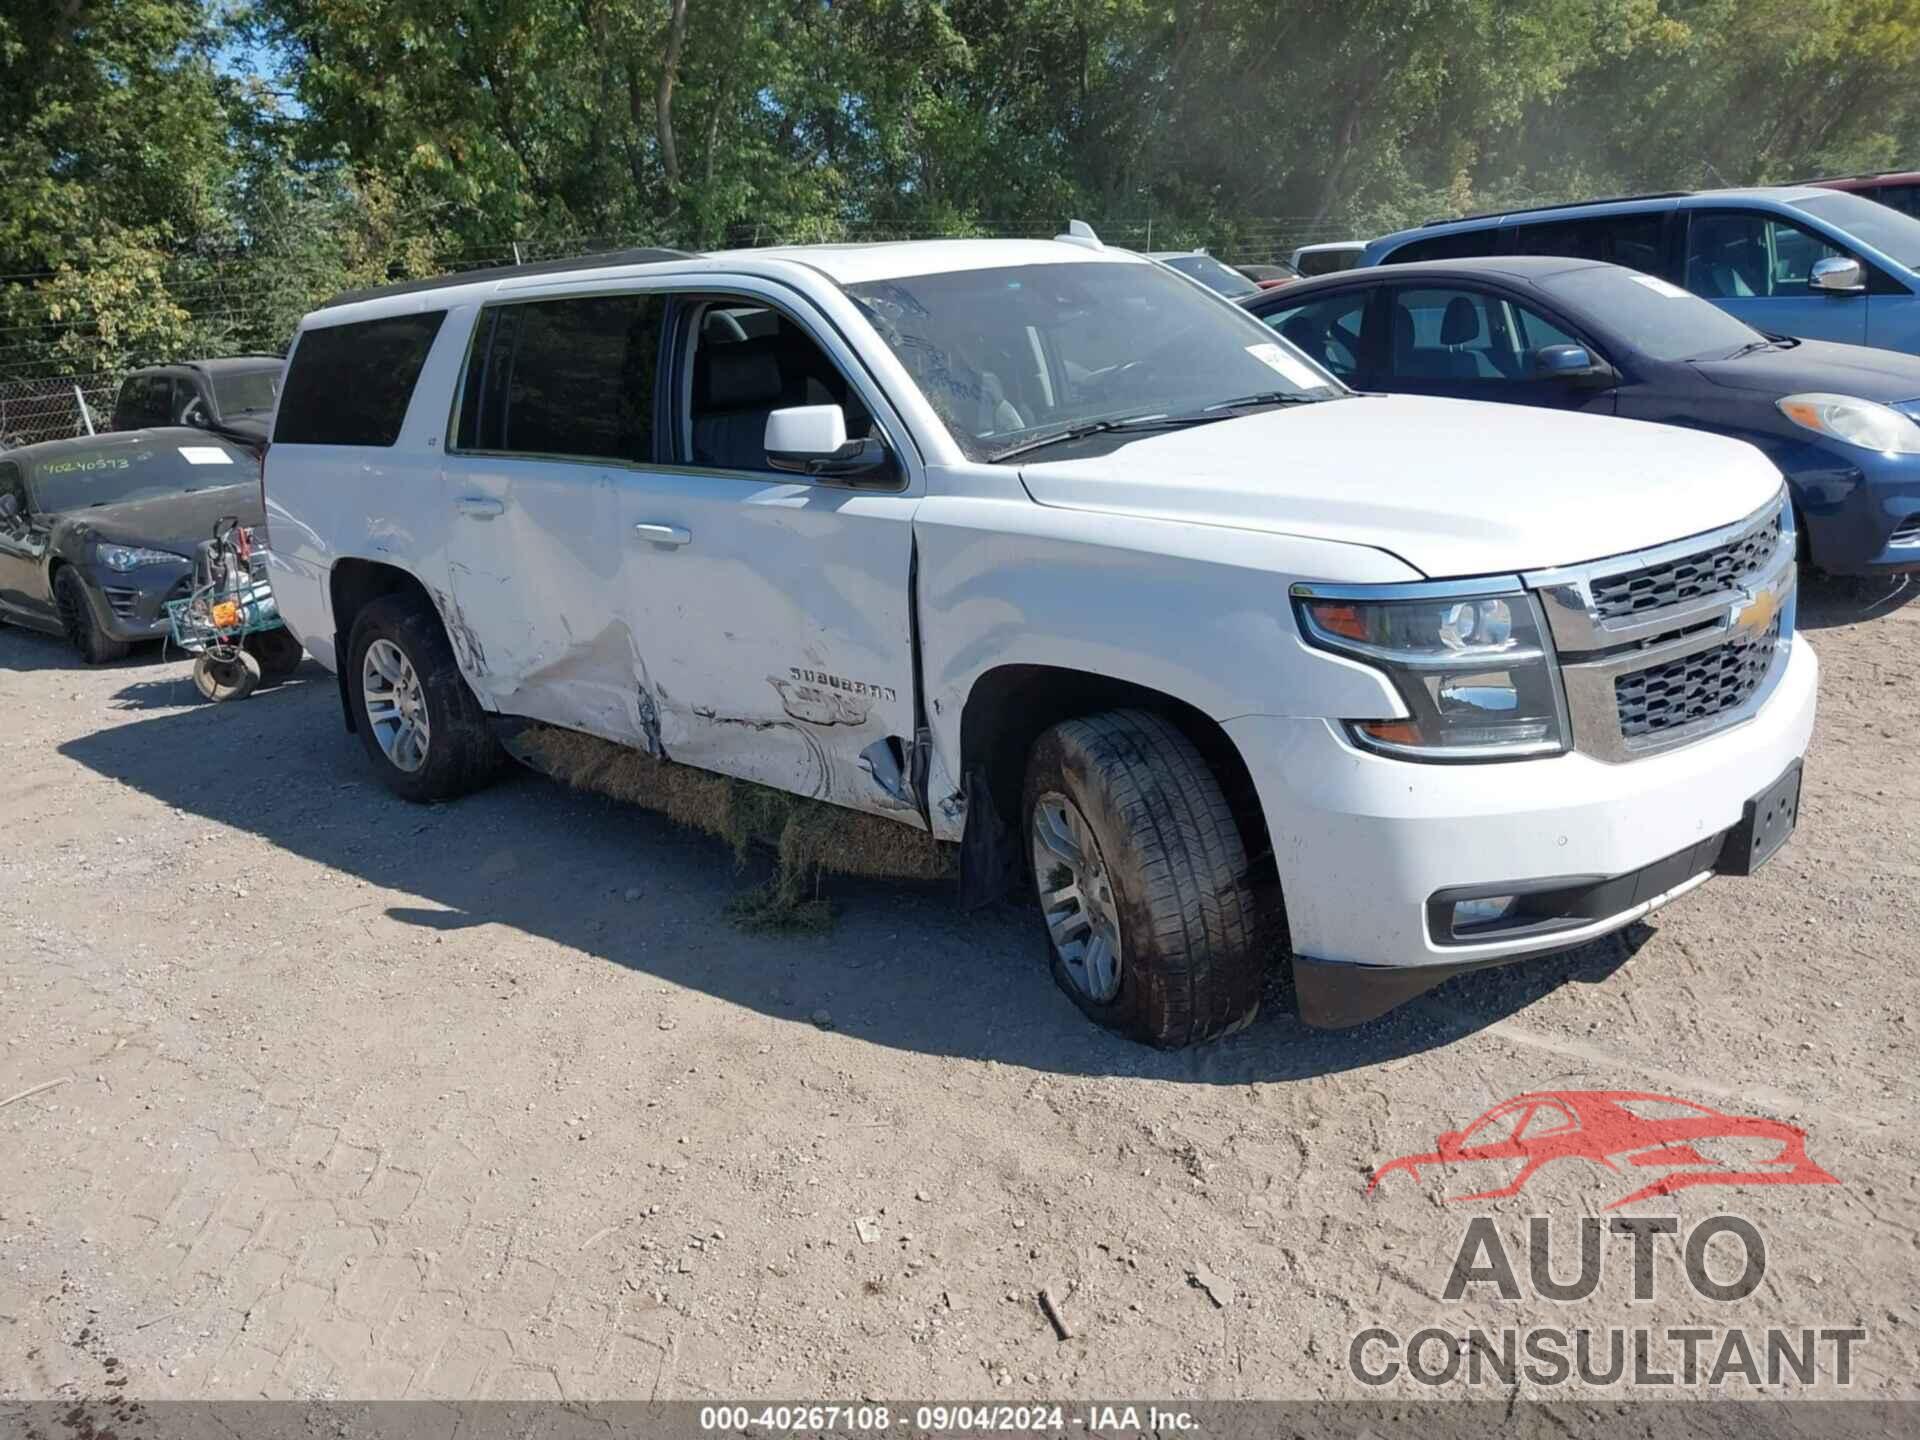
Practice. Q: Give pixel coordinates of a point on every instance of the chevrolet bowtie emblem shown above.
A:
(1759, 611)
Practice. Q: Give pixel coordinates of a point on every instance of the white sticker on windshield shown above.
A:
(1295, 370)
(205, 455)
(1661, 287)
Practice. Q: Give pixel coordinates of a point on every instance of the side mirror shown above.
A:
(1567, 362)
(1838, 275)
(196, 415)
(9, 509)
(812, 440)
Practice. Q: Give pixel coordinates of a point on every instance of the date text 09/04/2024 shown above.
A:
(1043, 1419)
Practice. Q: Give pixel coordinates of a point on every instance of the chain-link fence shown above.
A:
(251, 303)
(54, 407)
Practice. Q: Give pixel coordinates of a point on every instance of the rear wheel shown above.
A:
(76, 618)
(422, 727)
(1152, 922)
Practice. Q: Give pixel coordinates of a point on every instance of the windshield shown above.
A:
(107, 474)
(1009, 355)
(1661, 321)
(1214, 274)
(1882, 227)
(246, 392)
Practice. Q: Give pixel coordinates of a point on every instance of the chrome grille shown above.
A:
(1696, 687)
(1661, 647)
(1707, 573)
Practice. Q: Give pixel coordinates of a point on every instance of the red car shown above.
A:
(1624, 1128)
(1898, 188)
(1269, 277)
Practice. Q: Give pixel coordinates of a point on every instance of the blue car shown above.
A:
(1841, 421)
(1789, 260)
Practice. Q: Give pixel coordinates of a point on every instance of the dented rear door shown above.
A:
(547, 429)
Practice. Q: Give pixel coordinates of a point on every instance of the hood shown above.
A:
(1883, 375)
(1452, 487)
(162, 522)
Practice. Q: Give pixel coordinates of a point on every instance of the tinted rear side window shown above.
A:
(564, 377)
(1904, 198)
(144, 400)
(1462, 245)
(350, 384)
(1632, 240)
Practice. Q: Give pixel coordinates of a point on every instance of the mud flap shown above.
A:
(988, 859)
(340, 659)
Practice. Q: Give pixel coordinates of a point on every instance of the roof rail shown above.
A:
(602, 261)
(1565, 205)
(1855, 175)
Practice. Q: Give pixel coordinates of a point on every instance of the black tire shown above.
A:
(461, 752)
(232, 676)
(1169, 875)
(77, 619)
(277, 651)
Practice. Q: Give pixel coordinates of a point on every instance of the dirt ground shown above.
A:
(347, 1098)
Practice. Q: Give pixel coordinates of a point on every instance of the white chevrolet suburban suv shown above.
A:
(1042, 549)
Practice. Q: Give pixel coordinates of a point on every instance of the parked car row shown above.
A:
(1040, 549)
(1841, 422)
(1820, 264)
(1227, 630)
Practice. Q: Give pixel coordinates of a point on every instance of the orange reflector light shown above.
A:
(1803, 414)
(226, 615)
(1344, 620)
(1394, 732)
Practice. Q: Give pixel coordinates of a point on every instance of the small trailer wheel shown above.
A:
(232, 678)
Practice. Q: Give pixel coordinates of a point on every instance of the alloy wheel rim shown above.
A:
(396, 705)
(1076, 897)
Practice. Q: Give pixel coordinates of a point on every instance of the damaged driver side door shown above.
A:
(771, 609)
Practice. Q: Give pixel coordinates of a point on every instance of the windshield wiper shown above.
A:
(1101, 427)
(1266, 397)
(1765, 342)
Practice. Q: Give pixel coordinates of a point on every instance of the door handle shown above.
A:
(664, 534)
(479, 506)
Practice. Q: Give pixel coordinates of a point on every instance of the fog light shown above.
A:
(1482, 912)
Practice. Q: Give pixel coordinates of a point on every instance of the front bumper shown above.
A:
(1363, 843)
(131, 605)
(1863, 518)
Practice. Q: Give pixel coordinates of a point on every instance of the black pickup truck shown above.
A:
(234, 396)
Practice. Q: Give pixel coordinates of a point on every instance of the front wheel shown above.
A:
(1152, 921)
(421, 725)
(76, 618)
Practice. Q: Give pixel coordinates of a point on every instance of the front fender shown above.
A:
(1197, 612)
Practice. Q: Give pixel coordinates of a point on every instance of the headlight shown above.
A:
(1474, 671)
(132, 557)
(1854, 421)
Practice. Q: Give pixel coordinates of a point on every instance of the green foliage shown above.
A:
(151, 203)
